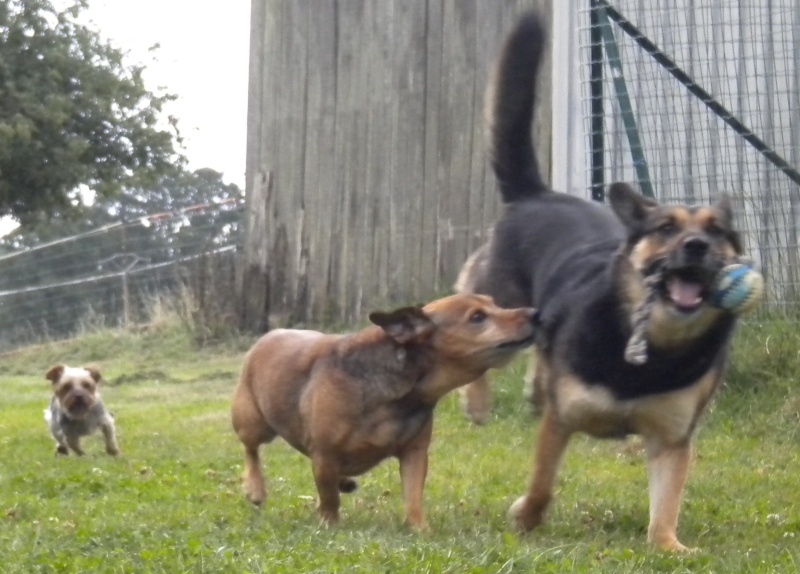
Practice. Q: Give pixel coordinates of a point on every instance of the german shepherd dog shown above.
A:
(584, 266)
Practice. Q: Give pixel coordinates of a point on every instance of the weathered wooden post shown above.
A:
(254, 266)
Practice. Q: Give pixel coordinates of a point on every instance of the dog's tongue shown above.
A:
(684, 293)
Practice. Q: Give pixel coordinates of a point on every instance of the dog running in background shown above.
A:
(350, 401)
(585, 267)
(76, 409)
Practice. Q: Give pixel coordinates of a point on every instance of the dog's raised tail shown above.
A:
(509, 110)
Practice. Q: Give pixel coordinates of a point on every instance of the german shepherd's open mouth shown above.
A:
(686, 289)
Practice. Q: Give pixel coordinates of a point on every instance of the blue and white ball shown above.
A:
(738, 288)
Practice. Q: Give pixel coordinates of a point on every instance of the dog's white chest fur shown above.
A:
(594, 410)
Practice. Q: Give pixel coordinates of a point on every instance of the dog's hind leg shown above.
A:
(533, 390)
(253, 431)
(528, 511)
(667, 470)
(476, 400)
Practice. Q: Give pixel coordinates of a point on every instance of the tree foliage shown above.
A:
(72, 113)
(54, 271)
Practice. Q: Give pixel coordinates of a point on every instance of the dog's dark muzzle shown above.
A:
(77, 404)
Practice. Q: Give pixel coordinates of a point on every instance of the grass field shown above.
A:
(172, 502)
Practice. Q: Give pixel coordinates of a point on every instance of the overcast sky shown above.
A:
(203, 59)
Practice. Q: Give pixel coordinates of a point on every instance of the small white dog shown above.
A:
(76, 409)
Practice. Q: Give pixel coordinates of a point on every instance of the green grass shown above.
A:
(172, 502)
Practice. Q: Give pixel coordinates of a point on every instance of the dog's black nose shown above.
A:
(695, 247)
(533, 317)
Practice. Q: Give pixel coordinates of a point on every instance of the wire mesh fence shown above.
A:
(693, 98)
(119, 274)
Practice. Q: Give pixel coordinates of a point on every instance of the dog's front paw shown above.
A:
(671, 544)
(678, 547)
(256, 495)
(525, 515)
(328, 518)
(419, 525)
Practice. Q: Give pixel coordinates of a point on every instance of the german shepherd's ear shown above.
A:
(403, 325)
(631, 207)
(54, 374)
(724, 207)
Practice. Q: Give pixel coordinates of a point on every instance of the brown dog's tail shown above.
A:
(509, 106)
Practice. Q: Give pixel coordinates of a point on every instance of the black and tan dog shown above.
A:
(350, 401)
(584, 267)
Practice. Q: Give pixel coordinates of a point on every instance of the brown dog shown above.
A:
(350, 401)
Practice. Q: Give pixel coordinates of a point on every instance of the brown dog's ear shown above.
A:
(54, 374)
(631, 207)
(94, 373)
(403, 325)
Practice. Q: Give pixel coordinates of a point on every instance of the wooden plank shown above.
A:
(254, 294)
(253, 173)
(376, 233)
(455, 135)
(320, 152)
(289, 183)
(407, 192)
(483, 196)
(430, 252)
(269, 74)
(255, 93)
(349, 36)
(356, 257)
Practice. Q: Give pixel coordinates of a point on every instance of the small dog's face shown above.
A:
(468, 330)
(688, 244)
(475, 331)
(75, 388)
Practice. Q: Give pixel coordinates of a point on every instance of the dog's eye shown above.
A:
(667, 228)
(67, 386)
(477, 317)
(87, 386)
(715, 230)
